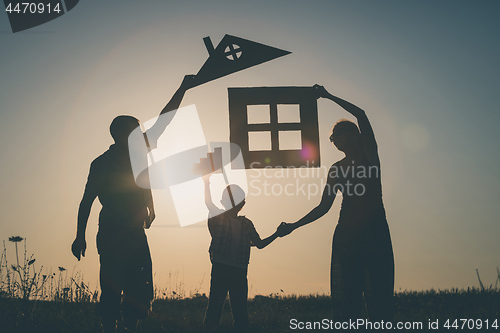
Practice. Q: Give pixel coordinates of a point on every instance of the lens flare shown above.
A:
(309, 151)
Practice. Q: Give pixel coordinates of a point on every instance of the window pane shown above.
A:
(258, 114)
(288, 113)
(290, 140)
(259, 141)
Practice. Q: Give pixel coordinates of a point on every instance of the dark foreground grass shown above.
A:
(267, 314)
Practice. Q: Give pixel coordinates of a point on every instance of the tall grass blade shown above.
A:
(480, 283)
(498, 278)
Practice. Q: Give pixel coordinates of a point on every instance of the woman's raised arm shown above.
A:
(329, 193)
(367, 136)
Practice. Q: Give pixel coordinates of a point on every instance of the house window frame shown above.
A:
(240, 98)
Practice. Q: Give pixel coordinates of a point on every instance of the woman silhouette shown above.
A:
(362, 257)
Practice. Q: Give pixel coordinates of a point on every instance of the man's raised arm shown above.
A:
(154, 133)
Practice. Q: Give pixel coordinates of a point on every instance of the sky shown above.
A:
(426, 73)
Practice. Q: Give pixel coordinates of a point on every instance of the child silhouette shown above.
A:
(232, 237)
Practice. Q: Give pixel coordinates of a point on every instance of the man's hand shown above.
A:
(284, 229)
(320, 91)
(149, 219)
(188, 82)
(78, 248)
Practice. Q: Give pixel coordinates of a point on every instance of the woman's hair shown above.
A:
(122, 126)
(345, 125)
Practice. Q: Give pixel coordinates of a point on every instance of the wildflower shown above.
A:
(61, 269)
(15, 239)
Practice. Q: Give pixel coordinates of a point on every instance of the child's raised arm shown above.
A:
(208, 196)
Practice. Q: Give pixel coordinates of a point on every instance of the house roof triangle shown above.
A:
(232, 55)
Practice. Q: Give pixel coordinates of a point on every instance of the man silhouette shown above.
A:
(125, 260)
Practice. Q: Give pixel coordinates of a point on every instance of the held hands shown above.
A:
(284, 229)
(78, 247)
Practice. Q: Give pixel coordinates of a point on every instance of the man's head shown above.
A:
(233, 196)
(121, 127)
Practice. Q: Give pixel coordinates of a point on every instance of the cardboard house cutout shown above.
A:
(234, 54)
(275, 126)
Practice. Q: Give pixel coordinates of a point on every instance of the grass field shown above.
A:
(32, 301)
(267, 314)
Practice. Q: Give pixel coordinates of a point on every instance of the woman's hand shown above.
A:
(320, 91)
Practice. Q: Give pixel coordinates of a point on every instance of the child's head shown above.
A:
(233, 196)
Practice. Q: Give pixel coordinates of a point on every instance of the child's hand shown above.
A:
(206, 178)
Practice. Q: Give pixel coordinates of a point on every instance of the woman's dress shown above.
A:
(362, 256)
